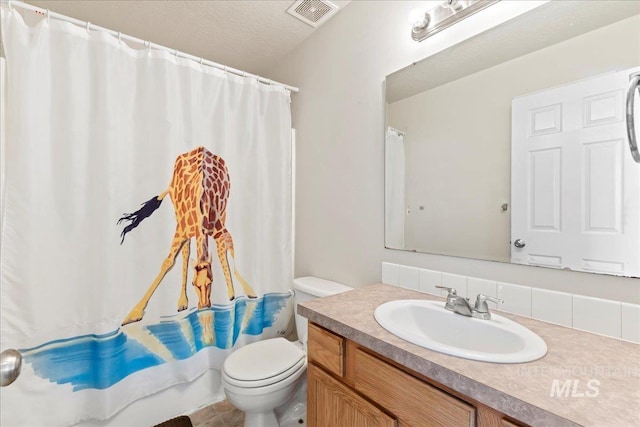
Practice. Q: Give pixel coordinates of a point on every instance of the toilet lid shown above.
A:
(263, 362)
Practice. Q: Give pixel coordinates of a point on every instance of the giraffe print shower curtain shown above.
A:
(146, 220)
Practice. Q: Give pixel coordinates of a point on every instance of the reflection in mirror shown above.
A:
(515, 145)
(394, 188)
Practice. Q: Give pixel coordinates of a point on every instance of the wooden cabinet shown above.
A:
(332, 404)
(350, 386)
(415, 402)
(327, 349)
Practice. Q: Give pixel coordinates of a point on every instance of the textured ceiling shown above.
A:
(248, 35)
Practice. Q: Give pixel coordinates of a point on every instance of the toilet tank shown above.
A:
(308, 288)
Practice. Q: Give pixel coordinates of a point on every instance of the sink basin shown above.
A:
(429, 325)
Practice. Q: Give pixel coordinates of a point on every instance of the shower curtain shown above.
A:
(146, 219)
(394, 180)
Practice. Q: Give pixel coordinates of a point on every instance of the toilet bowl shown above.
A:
(264, 375)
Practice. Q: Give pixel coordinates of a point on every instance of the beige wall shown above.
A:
(339, 117)
(458, 140)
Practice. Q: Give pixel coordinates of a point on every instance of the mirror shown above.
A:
(511, 146)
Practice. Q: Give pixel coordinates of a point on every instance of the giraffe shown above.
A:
(199, 191)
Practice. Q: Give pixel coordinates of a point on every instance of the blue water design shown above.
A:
(100, 361)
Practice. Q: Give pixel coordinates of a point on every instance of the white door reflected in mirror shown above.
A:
(575, 187)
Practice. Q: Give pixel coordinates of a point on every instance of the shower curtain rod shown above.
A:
(48, 14)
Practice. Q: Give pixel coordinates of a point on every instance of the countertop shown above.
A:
(523, 391)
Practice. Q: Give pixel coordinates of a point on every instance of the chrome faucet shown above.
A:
(452, 296)
(461, 305)
(481, 309)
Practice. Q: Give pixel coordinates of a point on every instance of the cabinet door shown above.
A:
(332, 404)
(326, 349)
(413, 401)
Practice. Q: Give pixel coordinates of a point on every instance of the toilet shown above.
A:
(263, 376)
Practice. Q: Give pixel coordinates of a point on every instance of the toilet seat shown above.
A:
(263, 363)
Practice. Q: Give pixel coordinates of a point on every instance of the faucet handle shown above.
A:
(481, 302)
(452, 291)
(451, 297)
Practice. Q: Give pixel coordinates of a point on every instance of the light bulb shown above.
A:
(417, 18)
(454, 5)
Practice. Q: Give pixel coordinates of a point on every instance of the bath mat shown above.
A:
(181, 421)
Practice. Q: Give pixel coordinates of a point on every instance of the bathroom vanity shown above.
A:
(361, 375)
(373, 390)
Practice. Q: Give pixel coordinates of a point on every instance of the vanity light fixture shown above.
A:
(425, 24)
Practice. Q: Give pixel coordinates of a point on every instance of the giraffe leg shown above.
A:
(203, 276)
(138, 311)
(224, 262)
(228, 242)
(183, 301)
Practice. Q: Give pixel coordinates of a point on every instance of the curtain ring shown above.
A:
(201, 61)
(224, 69)
(119, 37)
(244, 74)
(48, 16)
(175, 52)
(88, 27)
(147, 44)
(11, 8)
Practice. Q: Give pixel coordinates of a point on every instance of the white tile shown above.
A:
(517, 299)
(429, 279)
(408, 277)
(477, 286)
(631, 322)
(454, 281)
(597, 315)
(551, 306)
(390, 273)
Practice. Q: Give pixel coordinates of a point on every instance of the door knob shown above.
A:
(10, 366)
(519, 243)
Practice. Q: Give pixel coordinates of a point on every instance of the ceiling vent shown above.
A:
(313, 12)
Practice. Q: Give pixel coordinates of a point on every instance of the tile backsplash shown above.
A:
(605, 317)
(551, 306)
